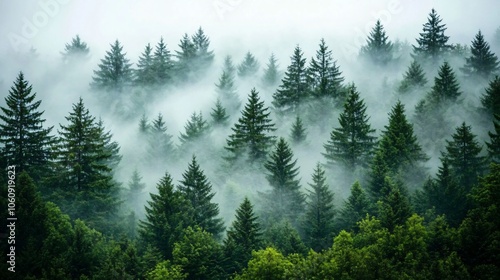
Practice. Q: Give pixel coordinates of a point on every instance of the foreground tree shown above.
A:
(482, 63)
(114, 71)
(432, 43)
(378, 48)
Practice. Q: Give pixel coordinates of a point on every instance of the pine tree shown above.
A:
(204, 57)
(432, 42)
(352, 143)
(135, 192)
(76, 50)
(111, 148)
(226, 91)
(162, 64)
(250, 132)
(294, 88)
(320, 213)
(394, 208)
(285, 200)
(144, 126)
(463, 156)
(298, 134)
(355, 208)
(185, 59)
(494, 144)
(491, 98)
(229, 67)
(160, 146)
(446, 88)
(243, 237)
(219, 115)
(167, 214)
(114, 71)
(145, 74)
(324, 74)
(196, 188)
(271, 75)
(249, 66)
(378, 48)
(414, 78)
(482, 63)
(378, 171)
(195, 128)
(26, 143)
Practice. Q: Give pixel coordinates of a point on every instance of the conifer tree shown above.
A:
(494, 144)
(145, 73)
(162, 64)
(294, 88)
(135, 192)
(76, 50)
(185, 58)
(114, 71)
(355, 208)
(111, 148)
(167, 214)
(491, 98)
(204, 56)
(378, 48)
(226, 91)
(446, 88)
(243, 237)
(26, 143)
(320, 213)
(250, 133)
(196, 188)
(394, 208)
(298, 134)
(432, 43)
(229, 67)
(324, 74)
(352, 143)
(195, 128)
(378, 171)
(160, 146)
(249, 66)
(271, 75)
(144, 126)
(414, 78)
(285, 200)
(482, 62)
(219, 115)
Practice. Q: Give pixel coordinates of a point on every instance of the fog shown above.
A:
(234, 28)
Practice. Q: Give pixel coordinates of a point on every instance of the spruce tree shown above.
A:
(378, 171)
(167, 214)
(111, 148)
(144, 125)
(219, 115)
(414, 78)
(294, 88)
(196, 188)
(226, 91)
(204, 56)
(250, 134)
(378, 48)
(75, 51)
(446, 88)
(432, 43)
(491, 98)
(494, 144)
(482, 62)
(229, 67)
(324, 74)
(135, 192)
(145, 73)
(298, 134)
(26, 143)
(185, 59)
(394, 208)
(319, 213)
(249, 66)
(285, 201)
(114, 71)
(243, 237)
(351, 144)
(162, 64)
(271, 75)
(195, 128)
(159, 143)
(355, 208)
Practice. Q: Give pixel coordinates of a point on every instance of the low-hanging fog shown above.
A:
(234, 28)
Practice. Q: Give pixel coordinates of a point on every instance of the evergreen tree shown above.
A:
(285, 200)
(226, 91)
(463, 156)
(324, 74)
(185, 58)
(167, 214)
(243, 237)
(111, 148)
(144, 126)
(135, 192)
(285, 238)
(298, 134)
(145, 74)
(249, 66)
(271, 75)
(378, 171)
(162, 64)
(491, 98)
(195, 128)
(378, 48)
(229, 67)
(196, 188)
(482, 63)
(355, 208)
(219, 115)
(320, 213)
(294, 88)
(76, 50)
(446, 88)
(250, 132)
(351, 144)
(394, 208)
(204, 57)
(414, 78)
(114, 71)
(494, 144)
(25, 141)
(432, 42)
(160, 146)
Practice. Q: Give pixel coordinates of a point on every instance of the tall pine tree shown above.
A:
(482, 62)
(145, 73)
(378, 48)
(162, 64)
(159, 143)
(195, 128)
(114, 72)
(432, 43)
(219, 115)
(298, 132)
(249, 66)
(355, 208)
(324, 74)
(226, 91)
(494, 144)
(271, 75)
(491, 98)
(414, 78)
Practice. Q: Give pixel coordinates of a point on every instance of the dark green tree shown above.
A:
(196, 188)
(320, 213)
(298, 134)
(446, 88)
(219, 115)
(168, 213)
(26, 143)
(378, 171)
(250, 132)
(294, 88)
(185, 59)
(494, 144)
(145, 73)
(162, 64)
(414, 78)
(378, 48)
(75, 51)
(324, 74)
(351, 144)
(482, 62)
(271, 75)
(249, 66)
(491, 98)
(195, 128)
(114, 71)
(432, 43)
(394, 208)
(160, 147)
(355, 208)
(204, 56)
(284, 237)
(243, 237)
(111, 148)
(285, 201)
(226, 91)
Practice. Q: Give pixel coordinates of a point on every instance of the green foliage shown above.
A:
(162, 64)
(394, 207)
(432, 43)
(195, 128)
(226, 91)
(219, 115)
(324, 75)
(166, 270)
(271, 75)
(135, 192)
(145, 73)
(494, 144)
(267, 264)
(378, 48)
(194, 57)
(482, 63)
(298, 134)
(159, 143)
(75, 51)
(285, 238)
(248, 67)
(355, 208)
(229, 67)
(446, 88)
(414, 78)
(114, 72)
(491, 98)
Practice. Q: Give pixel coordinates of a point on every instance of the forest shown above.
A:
(282, 169)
